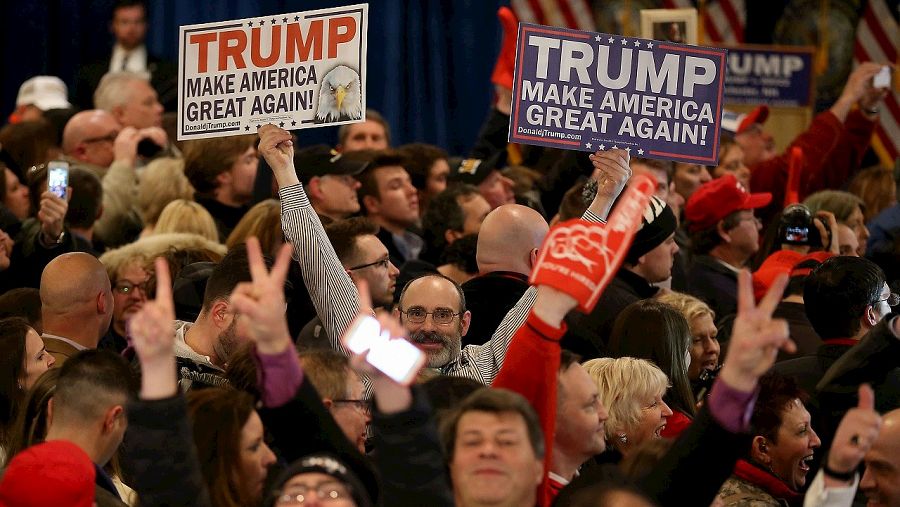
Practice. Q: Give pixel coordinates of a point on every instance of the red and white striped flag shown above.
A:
(877, 40)
(722, 21)
(575, 14)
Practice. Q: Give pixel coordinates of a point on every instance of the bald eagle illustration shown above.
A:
(340, 97)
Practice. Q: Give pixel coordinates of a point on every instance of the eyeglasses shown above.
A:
(417, 315)
(361, 405)
(892, 299)
(325, 493)
(381, 263)
(109, 138)
(128, 287)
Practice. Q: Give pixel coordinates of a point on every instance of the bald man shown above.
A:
(76, 304)
(96, 139)
(508, 243)
(881, 481)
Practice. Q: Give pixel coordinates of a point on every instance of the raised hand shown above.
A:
(579, 258)
(611, 173)
(855, 435)
(277, 147)
(261, 304)
(52, 214)
(756, 337)
(152, 334)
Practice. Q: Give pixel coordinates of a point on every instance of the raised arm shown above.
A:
(332, 292)
(161, 446)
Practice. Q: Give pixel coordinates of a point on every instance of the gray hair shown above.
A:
(113, 90)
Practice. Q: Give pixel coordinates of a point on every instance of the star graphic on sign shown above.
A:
(247, 128)
(296, 18)
(624, 42)
(602, 147)
(262, 22)
(587, 145)
(615, 147)
(285, 20)
(274, 21)
(249, 23)
(293, 123)
(281, 124)
(640, 151)
(597, 38)
(637, 43)
(257, 127)
(650, 45)
(610, 40)
(628, 150)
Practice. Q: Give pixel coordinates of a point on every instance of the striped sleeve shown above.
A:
(330, 288)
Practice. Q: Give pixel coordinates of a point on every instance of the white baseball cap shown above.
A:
(44, 92)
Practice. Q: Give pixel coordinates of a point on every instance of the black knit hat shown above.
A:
(327, 464)
(657, 224)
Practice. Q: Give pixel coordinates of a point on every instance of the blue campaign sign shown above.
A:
(592, 91)
(776, 76)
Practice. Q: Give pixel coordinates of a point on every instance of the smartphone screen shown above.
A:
(58, 177)
(883, 78)
(396, 358)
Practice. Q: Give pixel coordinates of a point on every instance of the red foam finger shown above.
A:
(580, 258)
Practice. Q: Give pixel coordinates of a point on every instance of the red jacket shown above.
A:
(832, 151)
(531, 369)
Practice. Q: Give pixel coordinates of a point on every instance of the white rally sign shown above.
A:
(298, 70)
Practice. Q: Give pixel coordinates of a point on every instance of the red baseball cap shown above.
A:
(735, 123)
(719, 198)
(779, 262)
(52, 473)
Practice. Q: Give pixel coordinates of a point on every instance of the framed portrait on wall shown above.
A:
(672, 25)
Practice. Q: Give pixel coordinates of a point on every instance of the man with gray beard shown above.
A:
(433, 310)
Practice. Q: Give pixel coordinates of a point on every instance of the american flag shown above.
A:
(877, 40)
(575, 14)
(722, 21)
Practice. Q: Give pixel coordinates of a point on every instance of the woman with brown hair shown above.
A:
(228, 433)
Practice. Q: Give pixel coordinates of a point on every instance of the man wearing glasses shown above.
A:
(95, 139)
(432, 307)
(844, 298)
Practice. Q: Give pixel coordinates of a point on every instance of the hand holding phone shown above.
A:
(58, 177)
(883, 78)
(392, 356)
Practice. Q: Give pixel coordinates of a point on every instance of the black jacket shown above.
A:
(490, 297)
(802, 332)
(589, 334)
(161, 452)
(713, 283)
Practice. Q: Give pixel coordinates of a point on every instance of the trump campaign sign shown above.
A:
(298, 70)
(590, 91)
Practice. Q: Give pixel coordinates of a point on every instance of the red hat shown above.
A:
(53, 473)
(779, 262)
(735, 123)
(819, 257)
(719, 198)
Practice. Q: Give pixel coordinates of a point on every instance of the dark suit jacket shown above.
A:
(60, 350)
(163, 78)
(490, 297)
(713, 283)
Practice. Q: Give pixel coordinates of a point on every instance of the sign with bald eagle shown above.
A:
(297, 70)
(590, 91)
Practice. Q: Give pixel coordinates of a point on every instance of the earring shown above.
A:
(623, 438)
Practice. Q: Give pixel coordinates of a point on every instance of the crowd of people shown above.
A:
(174, 329)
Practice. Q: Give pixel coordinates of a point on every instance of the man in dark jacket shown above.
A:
(724, 236)
(649, 261)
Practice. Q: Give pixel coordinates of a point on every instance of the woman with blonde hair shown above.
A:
(632, 391)
(705, 350)
(162, 182)
(262, 221)
(182, 215)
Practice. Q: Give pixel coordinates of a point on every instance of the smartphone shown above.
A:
(58, 177)
(395, 357)
(883, 78)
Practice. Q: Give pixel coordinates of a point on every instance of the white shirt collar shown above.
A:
(137, 60)
(77, 345)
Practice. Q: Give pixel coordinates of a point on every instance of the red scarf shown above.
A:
(772, 485)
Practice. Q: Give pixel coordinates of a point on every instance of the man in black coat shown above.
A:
(724, 236)
(129, 54)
